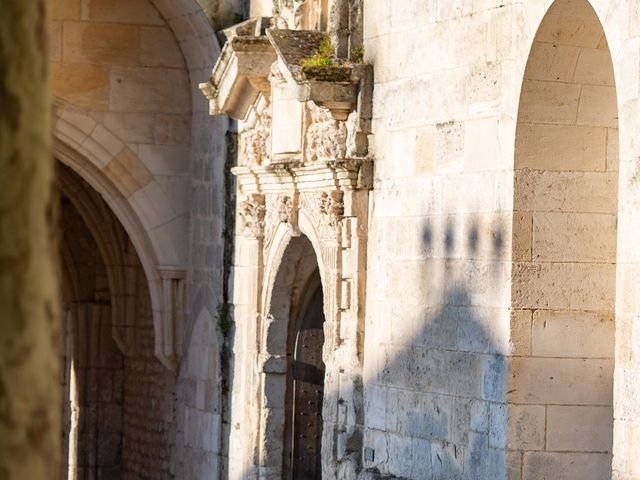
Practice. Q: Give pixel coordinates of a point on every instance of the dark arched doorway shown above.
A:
(293, 396)
(306, 387)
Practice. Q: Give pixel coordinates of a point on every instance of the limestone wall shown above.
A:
(120, 64)
(485, 288)
(437, 331)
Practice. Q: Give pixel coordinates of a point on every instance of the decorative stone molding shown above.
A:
(281, 209)
(325, 137)
(241, 73)
(255, 141)
(353, 174)
(252, 210)
(170, 333)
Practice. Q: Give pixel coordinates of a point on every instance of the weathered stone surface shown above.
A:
(104, 43)
(123, 11)
(64, 9)
(574, 237)
(566, 466)
(83, 85)
(572, 334)
(580, 429)
(560, 381)
(158, 48)
(139, 90)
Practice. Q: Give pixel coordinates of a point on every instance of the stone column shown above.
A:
(244, 448)
(30, 407)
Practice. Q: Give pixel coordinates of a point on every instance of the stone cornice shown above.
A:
(342, 174)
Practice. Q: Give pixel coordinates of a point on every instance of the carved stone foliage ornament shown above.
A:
(285, 209)
(281, 208)
(255, 142)
(325, 137)
(332, 207)
(252, 210)
(327, 208)
(288, 13)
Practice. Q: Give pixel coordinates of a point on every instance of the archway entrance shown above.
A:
(566, 169)
(118, 399)
(294, 331)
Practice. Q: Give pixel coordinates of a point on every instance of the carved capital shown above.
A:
(327, 208)
(332, 207)
(252, 210)
(287, 210)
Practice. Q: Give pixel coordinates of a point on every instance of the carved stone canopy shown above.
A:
(242, 71)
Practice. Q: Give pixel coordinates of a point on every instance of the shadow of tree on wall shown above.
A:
(436, 400)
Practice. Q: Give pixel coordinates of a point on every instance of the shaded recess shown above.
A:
(118, 399)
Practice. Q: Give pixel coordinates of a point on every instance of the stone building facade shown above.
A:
(349, 239)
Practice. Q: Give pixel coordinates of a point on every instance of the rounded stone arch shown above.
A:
(612, 18)
(565, 197)
(295, 274)
(117, 174)
(281, 240)
(117, 253)
(124, 212)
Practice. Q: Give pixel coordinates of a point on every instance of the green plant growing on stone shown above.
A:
(358, 54)
(323, 57)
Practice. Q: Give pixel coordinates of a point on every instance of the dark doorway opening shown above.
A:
(307, 391)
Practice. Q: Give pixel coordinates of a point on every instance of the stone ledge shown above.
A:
(353, 174)
(335, 87)
(243, 69)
